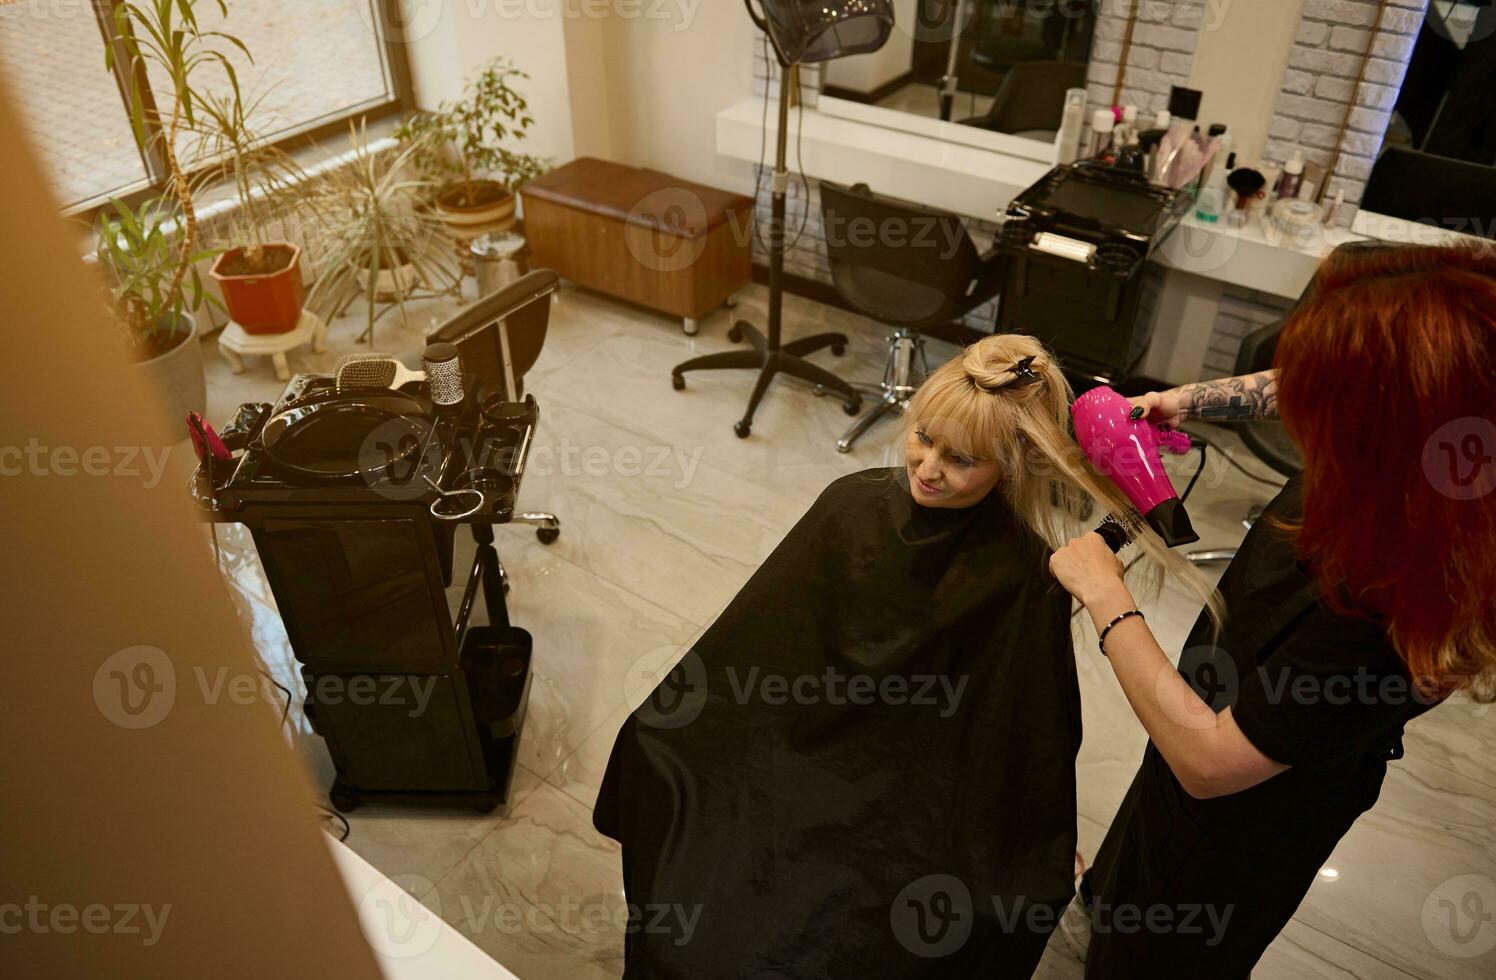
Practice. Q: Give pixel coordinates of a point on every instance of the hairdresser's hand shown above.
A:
(1161, 407)
(1088, 570)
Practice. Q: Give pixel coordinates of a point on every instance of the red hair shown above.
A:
(1387, 383)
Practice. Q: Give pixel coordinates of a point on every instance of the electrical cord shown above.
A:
(1195, 436)
(335, 815)
(763, 153)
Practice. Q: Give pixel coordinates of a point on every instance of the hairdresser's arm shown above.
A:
(1207, 752)
(1250, 396)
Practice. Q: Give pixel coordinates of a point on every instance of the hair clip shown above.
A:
(1023, 372)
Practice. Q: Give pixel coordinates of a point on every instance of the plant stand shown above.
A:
(235, 344)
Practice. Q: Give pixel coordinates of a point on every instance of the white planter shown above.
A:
(178, 379)
(395, 282)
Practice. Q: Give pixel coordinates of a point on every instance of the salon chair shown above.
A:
(893, 262)
(1418, 186)
(1265, 438)
(1031, 98)
(524, 307)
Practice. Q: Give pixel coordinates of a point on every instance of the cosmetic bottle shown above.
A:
(1212, 202)
(1103, 122)
(1293, 175)
(1067, 140)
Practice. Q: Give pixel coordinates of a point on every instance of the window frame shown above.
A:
(390, 23)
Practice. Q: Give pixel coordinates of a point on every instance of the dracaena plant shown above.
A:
(464, 139)
(166, 34)
(263, 177)
(141, 263)
(369, 215)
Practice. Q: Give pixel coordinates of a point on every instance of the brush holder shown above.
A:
(498, 411)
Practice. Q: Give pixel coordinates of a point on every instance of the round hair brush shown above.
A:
(373, 371)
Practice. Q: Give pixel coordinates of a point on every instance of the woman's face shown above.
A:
(941, 477)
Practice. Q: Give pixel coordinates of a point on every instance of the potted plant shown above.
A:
(260, 275)
(373, 231)
(462, 146)
(141, 264)
(152, 254)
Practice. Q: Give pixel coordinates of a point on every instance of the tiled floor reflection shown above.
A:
(666, 512)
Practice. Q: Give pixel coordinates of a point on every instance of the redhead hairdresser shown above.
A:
(1360, 600)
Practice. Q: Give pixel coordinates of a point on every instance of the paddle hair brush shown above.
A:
(373, 371)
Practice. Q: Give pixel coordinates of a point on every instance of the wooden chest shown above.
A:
(641, 235)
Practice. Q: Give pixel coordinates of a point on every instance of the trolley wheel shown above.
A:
(548, 535)
(678, 382)
(735, 334)
(343, 802)
(837, 350)
(852, 407)
(743, 429)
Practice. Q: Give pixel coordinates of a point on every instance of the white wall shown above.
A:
(668, 79)
(1239, 61)
(449, 42)
(866, 72)
(635, 81)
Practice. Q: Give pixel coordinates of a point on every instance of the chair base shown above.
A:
(547, 526)
(1225, 554)
(788, 359)
(905, 348)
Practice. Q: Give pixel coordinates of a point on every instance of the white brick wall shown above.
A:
(1241, 312)
(1161, 55)
(1319, 81)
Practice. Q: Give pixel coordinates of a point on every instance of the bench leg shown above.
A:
(691, 326)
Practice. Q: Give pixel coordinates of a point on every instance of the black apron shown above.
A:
(866, 767)
(1321, 692)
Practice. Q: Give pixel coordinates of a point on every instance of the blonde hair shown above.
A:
(984, 404)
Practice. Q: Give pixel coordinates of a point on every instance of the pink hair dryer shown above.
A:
(1127, 452)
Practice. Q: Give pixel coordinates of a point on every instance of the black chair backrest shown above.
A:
(524, 305)
(1456, 194)
(877, 240)
(1032, 95)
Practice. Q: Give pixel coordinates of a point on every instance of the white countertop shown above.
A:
(979, 182)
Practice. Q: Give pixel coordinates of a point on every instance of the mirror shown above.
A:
(1445, 106)
(988, 66)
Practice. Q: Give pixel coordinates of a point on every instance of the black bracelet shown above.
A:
(1101, 640)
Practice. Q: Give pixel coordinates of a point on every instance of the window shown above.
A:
(315, 64)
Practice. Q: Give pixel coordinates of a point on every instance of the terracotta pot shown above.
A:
(179, 378)
(494, 211)
(263, 303)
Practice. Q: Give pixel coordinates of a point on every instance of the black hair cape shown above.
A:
(866, 767)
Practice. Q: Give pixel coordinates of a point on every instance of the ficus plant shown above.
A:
(464, 139)
(166, 34)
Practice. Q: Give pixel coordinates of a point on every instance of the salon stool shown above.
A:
(919, 269)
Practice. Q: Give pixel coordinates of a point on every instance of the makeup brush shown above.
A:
(1246, 182)
(373, 371)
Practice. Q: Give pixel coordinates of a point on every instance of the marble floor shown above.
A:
(665, 514)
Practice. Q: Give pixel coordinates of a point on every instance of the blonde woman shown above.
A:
(865, 767)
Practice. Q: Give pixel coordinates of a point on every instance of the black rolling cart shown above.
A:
(1076, 245)
(354, 502)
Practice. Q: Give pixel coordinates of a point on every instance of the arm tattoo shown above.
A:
(1251, 396)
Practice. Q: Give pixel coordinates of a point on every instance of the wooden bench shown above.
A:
(641, 235)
